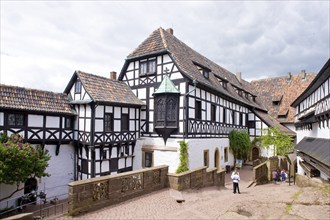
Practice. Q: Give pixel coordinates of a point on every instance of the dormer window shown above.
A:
(206, 73)
(276, 103)
(246, 95)
(148, 67)
(223, 82)
(203, 70)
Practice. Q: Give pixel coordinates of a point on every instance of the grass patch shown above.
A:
(326, 190)
(288, 208)
(297, 194)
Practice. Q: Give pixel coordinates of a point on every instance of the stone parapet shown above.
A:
(91, 194)
(197, 178)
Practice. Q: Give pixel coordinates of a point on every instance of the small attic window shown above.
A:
(206, 73)
(77, 86)
(203, 70)
(276, 103)
(222, 81)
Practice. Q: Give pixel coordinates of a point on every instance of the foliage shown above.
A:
(19, 161)
(282, 142)
(240, 144)
(184, 157)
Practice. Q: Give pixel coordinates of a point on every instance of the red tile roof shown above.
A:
(283, 90)
(19, 98)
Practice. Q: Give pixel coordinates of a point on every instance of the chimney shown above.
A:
(289, 76)
(239, 76)
(303, 74)
(169, 30)
(113, 75)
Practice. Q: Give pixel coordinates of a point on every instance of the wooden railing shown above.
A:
(260, 173)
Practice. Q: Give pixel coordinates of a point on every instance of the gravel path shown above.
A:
(269, 201)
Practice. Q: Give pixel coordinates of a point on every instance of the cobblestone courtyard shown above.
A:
(270, 201)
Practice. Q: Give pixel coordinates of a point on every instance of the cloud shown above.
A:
(47, 41)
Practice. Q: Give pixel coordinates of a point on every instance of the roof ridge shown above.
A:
(31, 89)
(98, 76)
(280, 77)
(163, 37)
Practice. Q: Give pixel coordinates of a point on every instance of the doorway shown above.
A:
(216, 158)
(255, 153)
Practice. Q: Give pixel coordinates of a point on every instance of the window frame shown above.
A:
(114, 161)
(124, 122)
(144, 153)
(225, 152)
(16, 119)
(206, 158)
(108, 124)
(213, 112)
(77, 86)
(198, 111)
(66, 121)
(148, 67)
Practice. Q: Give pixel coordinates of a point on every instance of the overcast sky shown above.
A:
(44, 42)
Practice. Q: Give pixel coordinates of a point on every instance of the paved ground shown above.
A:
(270, 201)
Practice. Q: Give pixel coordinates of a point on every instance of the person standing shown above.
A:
(274, 176)
(283, 175)
(235, 177)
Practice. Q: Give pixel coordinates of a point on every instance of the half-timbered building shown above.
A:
(313, 130)
(212, 102)
(41, 118)
(107, 124)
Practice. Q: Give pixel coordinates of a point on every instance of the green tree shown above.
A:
(184, 157)
(240, 144)
(20, 161)
(283, 144)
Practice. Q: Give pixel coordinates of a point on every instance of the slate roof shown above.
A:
(105, 90)
(281, 90)
(19, 98)
(271, 122)
(161, 41)
(318, 148)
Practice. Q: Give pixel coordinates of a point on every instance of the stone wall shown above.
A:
(197, 178)
(95, 193)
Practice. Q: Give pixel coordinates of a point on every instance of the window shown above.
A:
(68, 123)
(251, 124)
(226, 154)
(198, 110)
(213, 113)
(241, 119)
(15, 119)
(124, 122)
(147, 159)
(148, 67)
(104, 154)
(224, 115)
(206, 158)
(113, 164)
(77, 86)
(84, 166)
(108, 122)
(206, 73)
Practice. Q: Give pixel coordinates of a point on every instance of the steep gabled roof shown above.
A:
(105, 90)
(19, 98)
(283, 91)
(161, 41)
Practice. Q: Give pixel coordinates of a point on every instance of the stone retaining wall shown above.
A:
(197, 178)
(95, 193)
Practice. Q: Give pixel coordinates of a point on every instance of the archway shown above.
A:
(216, 158)
(255, 153)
